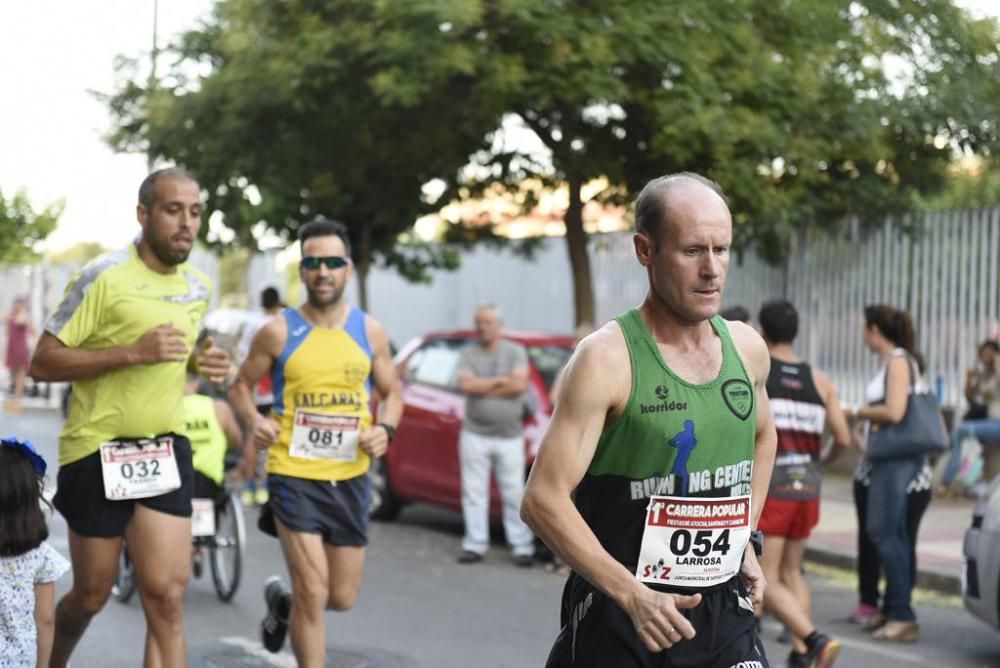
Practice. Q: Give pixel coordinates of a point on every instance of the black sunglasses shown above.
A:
(313, 262)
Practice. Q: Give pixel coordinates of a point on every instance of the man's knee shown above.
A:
(309, 595)
(88, 599)
(342, 597)
(164, 599)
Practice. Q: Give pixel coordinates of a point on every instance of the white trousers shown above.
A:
(478, 455)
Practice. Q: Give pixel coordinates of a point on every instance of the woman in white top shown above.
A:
(892, 486)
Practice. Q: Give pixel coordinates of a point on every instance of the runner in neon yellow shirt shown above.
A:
(124, 335)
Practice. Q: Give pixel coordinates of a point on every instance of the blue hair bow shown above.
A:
(28, 449)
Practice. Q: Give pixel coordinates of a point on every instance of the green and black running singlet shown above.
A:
(668, 490)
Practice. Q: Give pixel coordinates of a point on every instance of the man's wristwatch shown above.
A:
(390, 431)
(757, 540)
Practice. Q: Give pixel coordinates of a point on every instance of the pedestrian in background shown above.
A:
(890, 495)
(493, 375)
(803, 402)
(29, 566)
(254, 459)
(982, 422)
(20, 334)
(736, 313)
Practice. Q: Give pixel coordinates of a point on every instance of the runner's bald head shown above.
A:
(664, 200)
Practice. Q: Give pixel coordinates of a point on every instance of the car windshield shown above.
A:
(549, 360)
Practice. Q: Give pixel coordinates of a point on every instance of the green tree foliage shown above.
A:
(299, 110)
(21, 227)
(806, 111)
(968, 190)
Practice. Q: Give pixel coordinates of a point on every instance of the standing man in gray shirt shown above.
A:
(493, 375)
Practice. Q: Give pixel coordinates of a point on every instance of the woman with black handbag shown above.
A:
(895, 476)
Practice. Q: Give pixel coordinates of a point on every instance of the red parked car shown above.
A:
(422, 463)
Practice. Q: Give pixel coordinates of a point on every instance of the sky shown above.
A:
(52, 52)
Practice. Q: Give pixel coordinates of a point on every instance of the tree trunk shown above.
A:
(364, 262)
(579, 261)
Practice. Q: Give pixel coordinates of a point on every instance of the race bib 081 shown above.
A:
(325, 436)
(139, 469)
(690, 542)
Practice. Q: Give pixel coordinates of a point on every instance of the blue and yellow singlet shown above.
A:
(321, 379)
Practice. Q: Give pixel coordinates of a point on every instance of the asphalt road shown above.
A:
(419, 608)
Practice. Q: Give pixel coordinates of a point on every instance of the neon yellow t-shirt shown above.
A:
(112, 302)
(208, 440)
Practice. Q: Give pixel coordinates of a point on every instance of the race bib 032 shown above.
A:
(139, 469)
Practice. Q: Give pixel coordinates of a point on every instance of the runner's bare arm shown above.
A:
(55, 361)
(230, 427)
(596, 385)
(375, 439)
(757, 361)
(264, 350)
(835, 418)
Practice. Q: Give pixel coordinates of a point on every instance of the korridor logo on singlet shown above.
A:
(738, 395)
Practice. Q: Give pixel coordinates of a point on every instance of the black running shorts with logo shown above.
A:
(596, 633)
(336, 510)
(80, 495)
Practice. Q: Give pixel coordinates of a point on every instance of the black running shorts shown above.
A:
(596, 633)
(336, 510)
(80, 495)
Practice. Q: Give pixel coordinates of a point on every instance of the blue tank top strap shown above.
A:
(355, 327)
(298, 329)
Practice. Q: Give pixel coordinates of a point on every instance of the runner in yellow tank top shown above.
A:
(324, 358)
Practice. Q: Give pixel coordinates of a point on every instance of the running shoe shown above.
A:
(274, 628)
(823, 652)
(796, 660)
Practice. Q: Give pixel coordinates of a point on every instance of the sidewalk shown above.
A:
(939, 545)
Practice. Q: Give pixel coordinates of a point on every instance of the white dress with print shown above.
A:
(18, 577)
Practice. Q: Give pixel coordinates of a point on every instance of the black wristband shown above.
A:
(757, 540)
(390, 431)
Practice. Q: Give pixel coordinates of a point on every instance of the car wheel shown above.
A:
(385, 504)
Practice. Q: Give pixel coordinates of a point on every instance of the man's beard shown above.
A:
(319, 302)
(165, 254)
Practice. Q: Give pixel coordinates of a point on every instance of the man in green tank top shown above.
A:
(652, 475)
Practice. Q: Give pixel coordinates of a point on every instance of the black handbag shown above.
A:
(920, 432)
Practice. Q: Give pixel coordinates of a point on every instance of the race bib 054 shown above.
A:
(690, 542)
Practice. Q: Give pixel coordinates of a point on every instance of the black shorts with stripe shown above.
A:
(336, 510)
(597, 633)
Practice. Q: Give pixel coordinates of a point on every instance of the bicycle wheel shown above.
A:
(124, 585)
(227, 547)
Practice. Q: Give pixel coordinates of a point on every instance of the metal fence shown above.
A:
(945, 274)
(942, 268)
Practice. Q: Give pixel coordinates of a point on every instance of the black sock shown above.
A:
(810, 640)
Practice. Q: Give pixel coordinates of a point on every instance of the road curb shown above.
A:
(927, 578)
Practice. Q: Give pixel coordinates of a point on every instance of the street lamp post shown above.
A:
(152, 76)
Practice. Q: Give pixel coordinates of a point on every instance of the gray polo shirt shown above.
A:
(493, 416)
